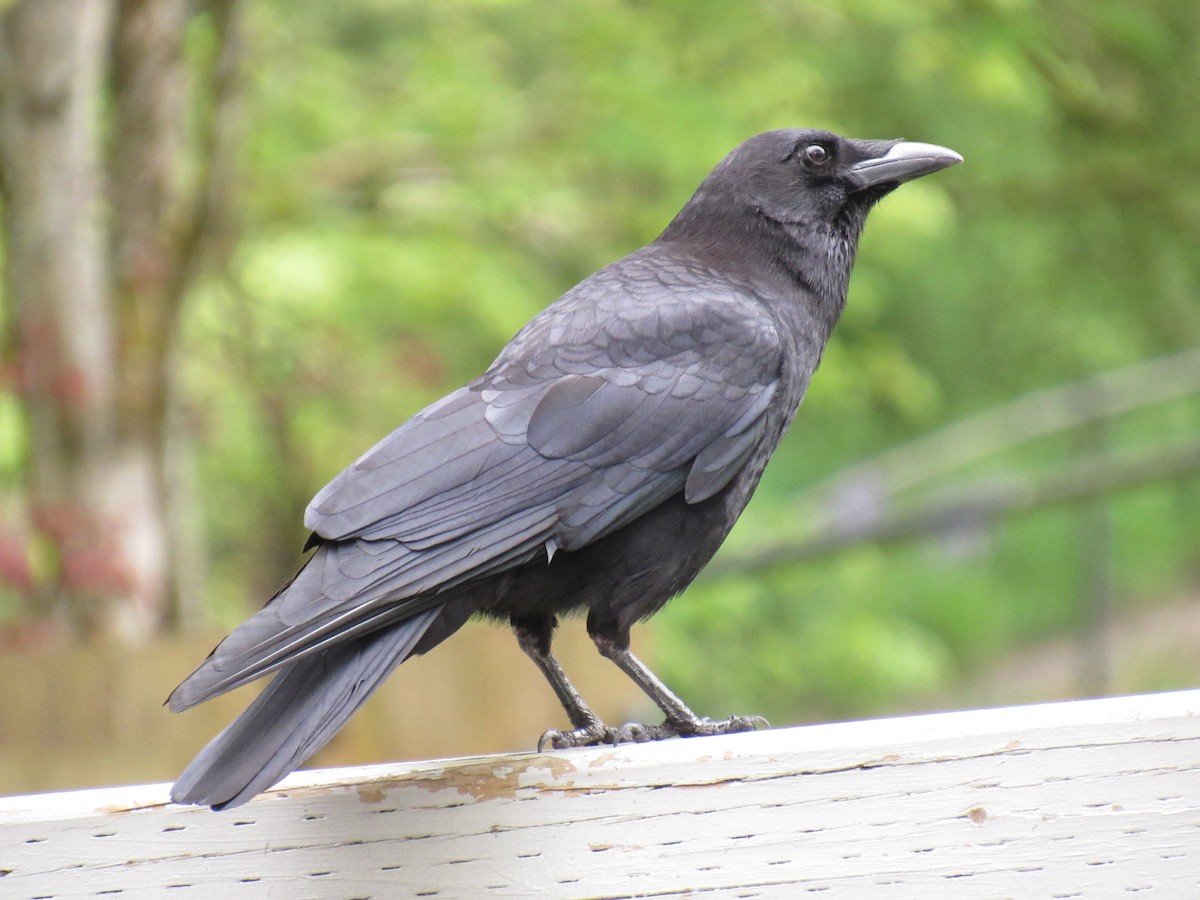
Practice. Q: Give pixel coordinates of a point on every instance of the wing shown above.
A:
(623, 393)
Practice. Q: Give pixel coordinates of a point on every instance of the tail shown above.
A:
(297, 714)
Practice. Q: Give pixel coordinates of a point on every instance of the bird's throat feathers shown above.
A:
(806, 261)
(816, 259)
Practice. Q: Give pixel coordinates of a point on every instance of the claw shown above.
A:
(641, 733)
(732, 725)
(590, 735)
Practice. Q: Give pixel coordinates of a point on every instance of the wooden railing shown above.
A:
(1096, 798)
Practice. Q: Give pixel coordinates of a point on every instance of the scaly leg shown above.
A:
(533, 636)
(680, 720)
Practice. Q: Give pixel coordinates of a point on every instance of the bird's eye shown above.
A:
(816, 155)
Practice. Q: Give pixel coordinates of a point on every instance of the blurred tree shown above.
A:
(106, 226)
(420, 178)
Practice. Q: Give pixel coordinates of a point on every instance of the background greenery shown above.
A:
(420, 178)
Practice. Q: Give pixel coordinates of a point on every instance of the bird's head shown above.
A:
(808, 178)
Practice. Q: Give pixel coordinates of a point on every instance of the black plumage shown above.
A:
(596, 465)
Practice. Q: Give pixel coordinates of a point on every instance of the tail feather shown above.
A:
(296, 715)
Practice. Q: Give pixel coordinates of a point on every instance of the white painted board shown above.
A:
(1096, 798)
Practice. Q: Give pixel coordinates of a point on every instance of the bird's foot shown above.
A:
(636, 732)
(639, 733)
(588, 736)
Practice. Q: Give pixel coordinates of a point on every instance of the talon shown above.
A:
(634, 733)
(589, 735)
(630, 732)
(737, 724)
(732, 725)
(640, 733)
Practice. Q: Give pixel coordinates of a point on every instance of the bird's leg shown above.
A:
(533, 637)
(680, 720)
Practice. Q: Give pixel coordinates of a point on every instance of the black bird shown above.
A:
(595, 466)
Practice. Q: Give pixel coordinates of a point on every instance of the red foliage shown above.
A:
(89, 555)
(42, 365)
(15, 569)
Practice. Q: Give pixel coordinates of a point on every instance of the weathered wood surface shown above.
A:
(1087, 799)
(108, 698)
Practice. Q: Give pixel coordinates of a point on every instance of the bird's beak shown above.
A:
(903, 161)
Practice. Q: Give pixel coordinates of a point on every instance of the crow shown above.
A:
(596, 466)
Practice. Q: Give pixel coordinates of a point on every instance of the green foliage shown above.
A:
(421, 178)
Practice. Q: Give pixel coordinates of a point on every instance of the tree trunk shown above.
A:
(52, 56)
(150, 218)
(101, 248)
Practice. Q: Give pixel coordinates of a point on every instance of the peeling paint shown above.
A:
(604, 759)
(487, 781)
(371, 793)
